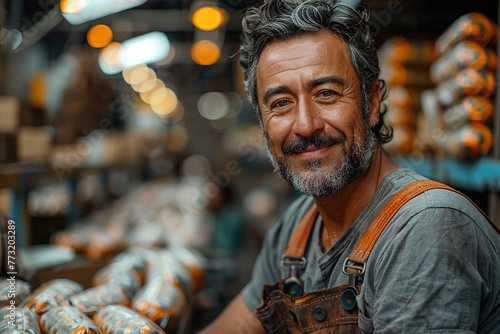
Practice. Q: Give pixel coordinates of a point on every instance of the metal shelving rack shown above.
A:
(482, 175)
(19, 178)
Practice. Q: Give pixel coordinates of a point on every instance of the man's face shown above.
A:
(310, 99)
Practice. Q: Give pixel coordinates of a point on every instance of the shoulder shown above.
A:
(438, 253)
(440, 220)
(444, 208)
(439, 204)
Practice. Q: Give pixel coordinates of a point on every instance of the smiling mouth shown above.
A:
(314, 144)
(313, 148)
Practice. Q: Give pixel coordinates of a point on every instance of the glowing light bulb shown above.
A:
(205, 52)
(72, 6)
(208, 18)
(99, 36)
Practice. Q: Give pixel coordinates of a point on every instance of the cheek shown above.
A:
(276, 131)
(342, 122)
(360, 134)
(352, 116)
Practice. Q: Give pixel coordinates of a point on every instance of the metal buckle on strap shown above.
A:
(293, 285)
(294, 264)
(351, 267)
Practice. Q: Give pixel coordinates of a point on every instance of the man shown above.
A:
(311, 72)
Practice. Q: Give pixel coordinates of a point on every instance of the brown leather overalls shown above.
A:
(285, 309)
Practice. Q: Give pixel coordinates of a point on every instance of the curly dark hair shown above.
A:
(284, 19)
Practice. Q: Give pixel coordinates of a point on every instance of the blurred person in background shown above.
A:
(312, 75)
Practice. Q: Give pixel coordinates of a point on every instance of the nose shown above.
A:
(307, 120)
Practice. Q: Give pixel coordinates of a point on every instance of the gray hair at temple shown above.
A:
(284, 19)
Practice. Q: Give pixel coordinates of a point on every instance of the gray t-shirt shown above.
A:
(436, 266)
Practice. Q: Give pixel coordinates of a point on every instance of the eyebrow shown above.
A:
(314, 83)
(273, 91)
(329, 79)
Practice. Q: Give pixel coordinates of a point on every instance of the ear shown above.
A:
(375, 100)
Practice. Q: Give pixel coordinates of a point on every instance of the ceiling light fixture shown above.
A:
(81, 11)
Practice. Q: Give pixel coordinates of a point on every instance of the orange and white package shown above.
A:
(126, 278)
(67, 320)
(53, 293)
(134, 258)
(166, 266)
(473, 26)
(19, 321)
(109, 240)
(162, 302)
(465, 83)
(117, 319)
(194, 262)
(93, 299)
(22, 290)
(468, 142)
(470, 109)
(464, 54)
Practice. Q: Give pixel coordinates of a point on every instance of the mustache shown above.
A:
(318, 139)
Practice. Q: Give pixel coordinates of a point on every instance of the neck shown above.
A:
(339, 210)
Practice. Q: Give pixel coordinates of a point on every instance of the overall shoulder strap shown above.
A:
(360, 253)
(355, 262)
(297, 244)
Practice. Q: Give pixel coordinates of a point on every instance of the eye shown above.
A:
(327, 93)
(280, 104)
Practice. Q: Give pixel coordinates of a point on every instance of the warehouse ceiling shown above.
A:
(425, 18)
(170, 16)
(41, 21)
(419, 18)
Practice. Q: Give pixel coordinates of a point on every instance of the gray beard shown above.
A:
(319, 183)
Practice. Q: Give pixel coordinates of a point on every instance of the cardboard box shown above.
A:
(15, 114)
(10, 109)
(33, 143)
(130, 144)
(5, 200)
